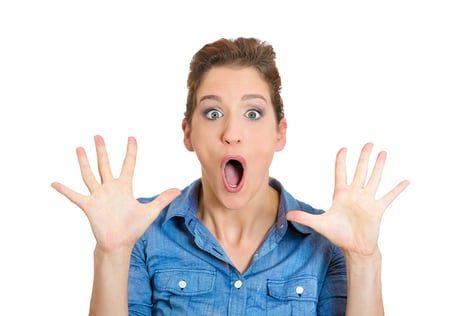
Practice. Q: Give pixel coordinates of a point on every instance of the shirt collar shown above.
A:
(288, 203)
(185, 205)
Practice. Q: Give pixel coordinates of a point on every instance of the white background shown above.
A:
(352, 72)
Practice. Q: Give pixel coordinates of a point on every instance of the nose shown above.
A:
(232, 132)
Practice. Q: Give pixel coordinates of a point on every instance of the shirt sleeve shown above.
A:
(333, 295)
(139, 287)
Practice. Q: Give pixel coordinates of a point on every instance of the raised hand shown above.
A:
(117, 219)
(353, 220)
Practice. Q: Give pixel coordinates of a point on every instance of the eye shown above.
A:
(253, 114)
(213, 114)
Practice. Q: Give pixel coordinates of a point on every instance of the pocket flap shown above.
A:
(293, 289)
(184, 282)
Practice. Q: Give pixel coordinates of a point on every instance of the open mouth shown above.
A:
(233, 173)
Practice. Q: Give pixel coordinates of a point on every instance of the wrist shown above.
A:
(359, 264)
(116, 255)
(374, 255)
(364, 283)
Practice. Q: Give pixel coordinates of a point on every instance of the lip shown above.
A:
(242, 161)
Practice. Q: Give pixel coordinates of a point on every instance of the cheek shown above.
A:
(263, 150)
(264, 140)
(204, 145)
(202, 139)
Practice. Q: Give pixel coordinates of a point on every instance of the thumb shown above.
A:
(304, 218)
(161, 201)
(166, 197)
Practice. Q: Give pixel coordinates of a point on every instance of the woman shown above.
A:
(234, 242)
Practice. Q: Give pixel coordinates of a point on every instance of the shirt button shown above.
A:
(182, 284)
(299, 290)
(238, 284)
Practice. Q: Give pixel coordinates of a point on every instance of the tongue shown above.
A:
(232, 174)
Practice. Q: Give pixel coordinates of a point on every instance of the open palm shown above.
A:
(116, 217)
(353, 220)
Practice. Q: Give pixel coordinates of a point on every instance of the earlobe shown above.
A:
(281, 135)
(187, 135)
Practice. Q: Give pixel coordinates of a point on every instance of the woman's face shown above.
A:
(234, 134)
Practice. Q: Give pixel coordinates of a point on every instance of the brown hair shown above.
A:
(242, 52)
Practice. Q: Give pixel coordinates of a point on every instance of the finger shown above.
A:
(394, 193)
(363, 164)
(156, 206)
(340, 178)
(375, 178)
(71, 195)
(103, 159)
(307, 219)
(129, 163)
(85, 169)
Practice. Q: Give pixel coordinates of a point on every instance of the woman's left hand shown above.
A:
(353, 220)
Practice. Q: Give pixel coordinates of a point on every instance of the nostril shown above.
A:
(231, 140)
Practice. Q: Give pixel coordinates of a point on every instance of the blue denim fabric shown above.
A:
(178, 268)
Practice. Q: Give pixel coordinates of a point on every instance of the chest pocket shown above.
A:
(177, 291)
(297, 296)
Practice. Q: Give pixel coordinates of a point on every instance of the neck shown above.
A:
(235, 226)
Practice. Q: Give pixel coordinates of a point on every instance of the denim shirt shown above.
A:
(178, 267)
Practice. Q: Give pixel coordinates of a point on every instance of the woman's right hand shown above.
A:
(117, 219)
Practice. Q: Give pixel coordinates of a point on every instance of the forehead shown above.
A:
(231, 81)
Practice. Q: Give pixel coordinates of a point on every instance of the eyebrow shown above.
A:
(210, 97)
(243, 98)
(253, 96)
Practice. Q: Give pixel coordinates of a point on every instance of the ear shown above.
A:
(187, 135)
(281, 134)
